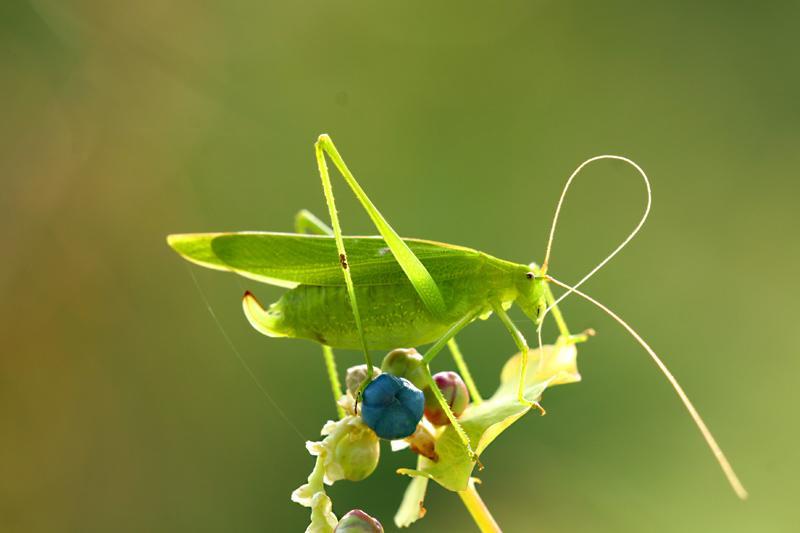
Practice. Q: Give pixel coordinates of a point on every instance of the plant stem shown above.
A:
(333, 376)
(462, 367)
(480, 513)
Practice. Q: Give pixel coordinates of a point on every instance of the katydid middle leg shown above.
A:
(461, 364)
(432, 352)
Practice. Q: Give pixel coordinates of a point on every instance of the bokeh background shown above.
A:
(122, 408)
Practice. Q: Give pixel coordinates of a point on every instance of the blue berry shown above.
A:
(392, 407)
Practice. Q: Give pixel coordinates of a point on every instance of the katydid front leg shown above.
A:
(522, 346)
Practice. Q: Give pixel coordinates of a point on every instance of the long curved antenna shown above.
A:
(726, 467)
(608, 258)
(622, 245)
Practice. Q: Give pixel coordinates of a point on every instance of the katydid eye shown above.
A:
(529, 275)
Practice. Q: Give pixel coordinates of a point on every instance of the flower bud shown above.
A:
(357, 521)
(423, 442)
(405, 363)
(455, 394)
(356, 376)
(358, 452)
(392, 406)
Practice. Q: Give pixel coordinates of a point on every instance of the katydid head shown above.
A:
(531, 293)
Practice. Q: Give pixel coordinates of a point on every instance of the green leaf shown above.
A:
(484, 422)
(412, 508)
(289, 259)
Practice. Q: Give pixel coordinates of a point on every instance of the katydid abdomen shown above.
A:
(393, 315)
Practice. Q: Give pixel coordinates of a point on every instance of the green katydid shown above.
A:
(385, 291)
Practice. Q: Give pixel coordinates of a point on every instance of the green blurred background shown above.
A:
(123, 409)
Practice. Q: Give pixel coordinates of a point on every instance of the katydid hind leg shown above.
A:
(416, 272)
(327, 190)
(414, 269)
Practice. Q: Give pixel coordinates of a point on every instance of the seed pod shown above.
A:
(356, 376)
(358, 453)
(392, 406)
(357, 521)
(405, 363)
(455, 394)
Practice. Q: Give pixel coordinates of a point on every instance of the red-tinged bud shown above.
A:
(455, 394)
(357, 521)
